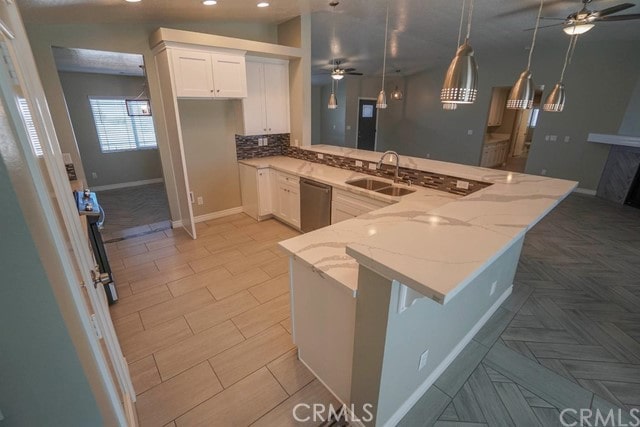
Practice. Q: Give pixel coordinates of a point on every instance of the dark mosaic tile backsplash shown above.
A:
(247, 148)
(416, 177)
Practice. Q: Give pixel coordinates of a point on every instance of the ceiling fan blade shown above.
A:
(614, 9)
(549, 18)
(351, 73)
(619, 17)
(544, 26)
(348, 70)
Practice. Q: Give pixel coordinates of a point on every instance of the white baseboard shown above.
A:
(210, 216)
(416, 395)
(585, 191)
(127, 184)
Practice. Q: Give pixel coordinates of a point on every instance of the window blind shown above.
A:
(117, 131)
(31, 129)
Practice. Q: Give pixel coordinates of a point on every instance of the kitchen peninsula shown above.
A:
(382, 303)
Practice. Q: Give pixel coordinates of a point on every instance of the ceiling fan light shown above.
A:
(337, 76)
(461, 81)
(449, 106)
(333, 102)
(522, 93)
(577, 29)
(555, 101)
(397, 94)
(381, 102)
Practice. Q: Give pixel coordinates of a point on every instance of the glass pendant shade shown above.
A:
(333, 102)
(381, 102)
(337, 76)
(461, 81)
(555, 101)
(449, 106)
(576, 29)
(397, 94)
(522, 93)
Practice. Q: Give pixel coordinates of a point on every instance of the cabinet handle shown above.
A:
(218, 90)
(211, 90)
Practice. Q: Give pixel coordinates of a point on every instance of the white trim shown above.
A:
(127, 184)
(416, 395)
(210, 216)
(584, 191)
(627, 141)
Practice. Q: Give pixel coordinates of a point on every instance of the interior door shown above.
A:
(367, 117)
(19, 81)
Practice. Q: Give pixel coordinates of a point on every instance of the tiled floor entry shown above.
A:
(205, 327)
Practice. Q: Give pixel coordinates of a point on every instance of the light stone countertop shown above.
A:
(431, 241)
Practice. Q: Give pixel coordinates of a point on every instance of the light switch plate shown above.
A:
(373, 166)
(493, 288)
(462, 184)
(567, 138)
(358, 163)
(320, 156)
(265, 141)
(553, 138)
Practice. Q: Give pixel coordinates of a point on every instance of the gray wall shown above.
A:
(112, 168)
(600, 94)
(41, 379)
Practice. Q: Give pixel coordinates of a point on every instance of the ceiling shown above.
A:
(422, 33)
(97, 61)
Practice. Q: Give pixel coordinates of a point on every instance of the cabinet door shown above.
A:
(192, 73)
(276, 91)
(294, 206)
(249, 190)
(253, 106)
(264, 192)
(229, 76)
(339, 213)
(282, 202)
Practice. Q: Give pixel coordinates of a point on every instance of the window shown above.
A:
(31, 129)
(117, 131)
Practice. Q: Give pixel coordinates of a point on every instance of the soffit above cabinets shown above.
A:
(98, 61)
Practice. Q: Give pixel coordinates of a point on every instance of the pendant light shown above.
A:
(449, 106)
(555, 101)
(381, 102)
(461, 81)
(333, 101)
(522, 93)
(397, 93)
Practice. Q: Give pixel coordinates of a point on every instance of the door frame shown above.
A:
(375, 139)
(54, 195)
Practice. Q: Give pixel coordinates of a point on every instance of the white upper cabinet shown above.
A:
(265, 110)
(203, 74)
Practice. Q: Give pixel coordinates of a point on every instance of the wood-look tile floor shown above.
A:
(205, 327)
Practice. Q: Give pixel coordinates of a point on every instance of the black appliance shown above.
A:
(87, 203)
(633, 197)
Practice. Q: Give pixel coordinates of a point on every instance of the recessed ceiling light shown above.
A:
(263, 4)
(209, 2)
(132, 1)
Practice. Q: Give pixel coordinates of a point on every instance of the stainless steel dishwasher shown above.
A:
(315, 205)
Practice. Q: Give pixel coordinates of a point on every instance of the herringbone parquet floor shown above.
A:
(568, 337)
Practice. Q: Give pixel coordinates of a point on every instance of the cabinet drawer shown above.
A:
(287, 179)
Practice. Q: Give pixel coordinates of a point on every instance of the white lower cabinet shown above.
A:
(346, 205)
(255, 188)
(287, 199)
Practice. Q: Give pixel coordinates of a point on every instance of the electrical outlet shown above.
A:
(191, 196)
(259, 142)
(358, 163)
(373, 166)
(423, 360)
(200, 200)
(543, 172)
(296, 142)
(265, 141)
(94, 175)
(470, 132)
(567, 138)
(547, 137)
(428, 155)
(348, 127)
(493, 288)
(320, 156)
(462, 184)
(553, 138)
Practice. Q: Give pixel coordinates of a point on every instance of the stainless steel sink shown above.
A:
(368, 183)
(395, 191)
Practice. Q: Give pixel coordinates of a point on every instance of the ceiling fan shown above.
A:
(583, 20)
(338, 73)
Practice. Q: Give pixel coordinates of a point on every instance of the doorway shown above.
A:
(367, 124)
(509, 132)
(109, 108)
